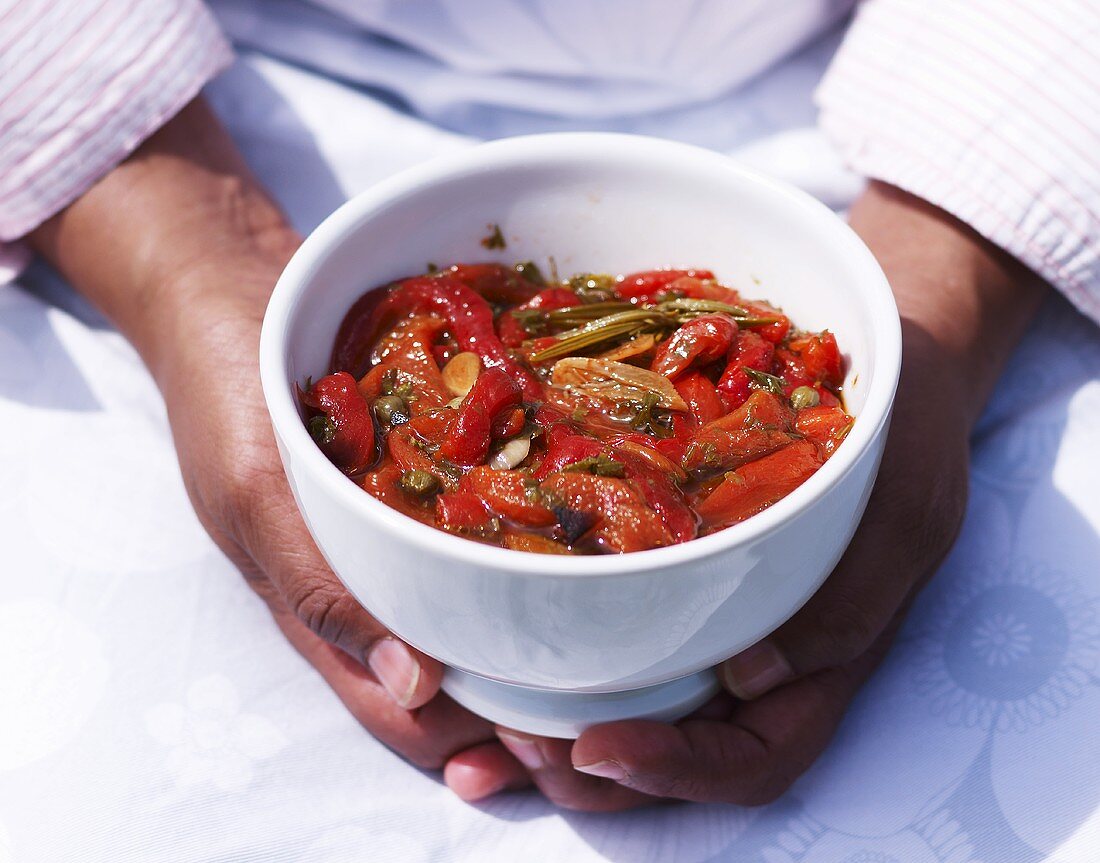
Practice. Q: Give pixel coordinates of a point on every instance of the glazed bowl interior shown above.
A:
(591, 202)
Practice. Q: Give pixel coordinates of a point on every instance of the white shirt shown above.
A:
(988, 109)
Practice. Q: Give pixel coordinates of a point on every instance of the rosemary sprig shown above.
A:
(615, 327)
(587, 312)
(614, 322)
(689, 304)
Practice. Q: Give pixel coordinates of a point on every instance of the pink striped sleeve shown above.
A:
(989, 109)
(82, 83)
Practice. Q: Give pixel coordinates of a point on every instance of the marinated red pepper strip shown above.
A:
(647, 285)
(469, 318)
(759, 484)
(355, 338)
(774, 332)
(345, 431)
(416, 445)
(749, 351)
(495, 282)
(407, 351)
(700, 341)
(620, 519)
(760, 426)
(506, 493)
(384, 484)
(820, 357)
(565, 449)
(703, 401)
(826, 426)
(493, 393)
(660, 492)
(464, 513)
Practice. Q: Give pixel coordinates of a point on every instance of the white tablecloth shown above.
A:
(150, 711)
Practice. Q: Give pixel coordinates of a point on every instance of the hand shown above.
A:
(963, 306)
(181, 248)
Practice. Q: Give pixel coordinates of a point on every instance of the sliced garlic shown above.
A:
(461, 372)
(511, 454)
(615, 381)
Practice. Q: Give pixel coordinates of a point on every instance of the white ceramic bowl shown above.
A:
(593, 624)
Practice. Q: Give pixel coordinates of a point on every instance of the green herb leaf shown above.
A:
(530, 271)
(495, 240)
(648, 421)
(764, 381)
(593, 287)
(599, 465)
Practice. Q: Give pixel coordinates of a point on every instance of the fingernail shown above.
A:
(754, 671)
(468, 782)
(525, 749)
(606, 769)
(396, 669)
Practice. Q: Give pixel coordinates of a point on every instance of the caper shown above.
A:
(804, 397)
(322, 429)
(418, 482)
(392, 410)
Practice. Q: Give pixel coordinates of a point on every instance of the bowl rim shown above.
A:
(567, 147)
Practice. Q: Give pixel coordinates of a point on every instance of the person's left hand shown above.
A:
(963, 305)
(791, 690)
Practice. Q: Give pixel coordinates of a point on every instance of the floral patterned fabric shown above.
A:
(150, 710)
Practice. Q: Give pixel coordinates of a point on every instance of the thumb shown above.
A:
(902, 539)
(285, 555)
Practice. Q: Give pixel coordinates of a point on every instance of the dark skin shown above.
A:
(180, 246)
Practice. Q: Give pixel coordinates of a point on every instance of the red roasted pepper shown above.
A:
(825, 426)
(565, 449)
(464, 513)
(649, 284)
(701, 397)
(505, 492)
(344, 429)
(469, 318)
(760, 426)
(661, 494)
(620, 519)
(700, 341)
(495, 282)
(759, 484)
(749, 350)
(820, 356)
(355, 338)
(492, 394)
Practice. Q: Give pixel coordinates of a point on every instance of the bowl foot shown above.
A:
(562, 713)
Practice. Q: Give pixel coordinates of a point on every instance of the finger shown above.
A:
(278, 542)
(427, 737)
(484, 770)
(548, 762)
(749, 760)
(909, 525)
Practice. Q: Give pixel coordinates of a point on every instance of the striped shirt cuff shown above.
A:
(82, 85)
(987, 109)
